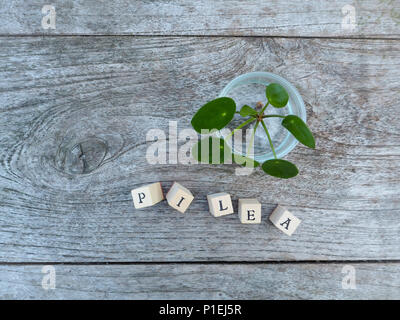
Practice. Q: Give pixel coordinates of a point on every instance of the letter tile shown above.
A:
(179, 197)
(249, 211)
(284, 220)
(147, 196)
(220, 204)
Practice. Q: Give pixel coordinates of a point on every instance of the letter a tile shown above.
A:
(284, 220)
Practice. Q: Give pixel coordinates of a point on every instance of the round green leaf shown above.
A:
(299, 130)
(215, 114)
(247, 111)
(245, 161)
(277, 95)
(280, 168)
(211, 150)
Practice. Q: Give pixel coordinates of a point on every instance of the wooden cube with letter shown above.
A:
(147, 196)
(284, 220)
(179, 197)
(220, 204)
(249, 211)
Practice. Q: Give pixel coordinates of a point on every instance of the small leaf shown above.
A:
(299, 130)
(211, 150)
(245, 161)
(215, 114)
(280, 168)
(277, 95)
(247, 111)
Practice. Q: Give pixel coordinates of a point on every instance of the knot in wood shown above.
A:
(82, 157)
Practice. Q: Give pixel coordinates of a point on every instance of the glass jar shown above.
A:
(249, 89)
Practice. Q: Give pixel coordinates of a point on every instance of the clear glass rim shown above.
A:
(294, 96)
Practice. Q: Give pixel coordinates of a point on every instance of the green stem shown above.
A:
(252, 139)
(263, 109)
(239, 127)
(274, 116)
(269, 139)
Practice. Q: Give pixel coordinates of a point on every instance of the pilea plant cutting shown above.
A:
(218, 113)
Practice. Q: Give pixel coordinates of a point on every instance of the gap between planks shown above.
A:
(299, 262)
(35, 35)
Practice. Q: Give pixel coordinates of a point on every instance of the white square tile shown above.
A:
(147, 196)
(179, 197)
(284, 220)
(220, 204)
(249, 211)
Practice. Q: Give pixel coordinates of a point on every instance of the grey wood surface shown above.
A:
(203, 281)
(74, 115)
(374, 18)
(106, 92)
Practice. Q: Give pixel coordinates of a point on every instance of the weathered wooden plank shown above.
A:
(105, 92)
(209, 281)
(373, 18)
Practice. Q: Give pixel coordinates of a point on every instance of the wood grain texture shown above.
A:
(374, 18)
(103, 93)
(210, 281)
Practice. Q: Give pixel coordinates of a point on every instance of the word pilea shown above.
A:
(220, 204)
